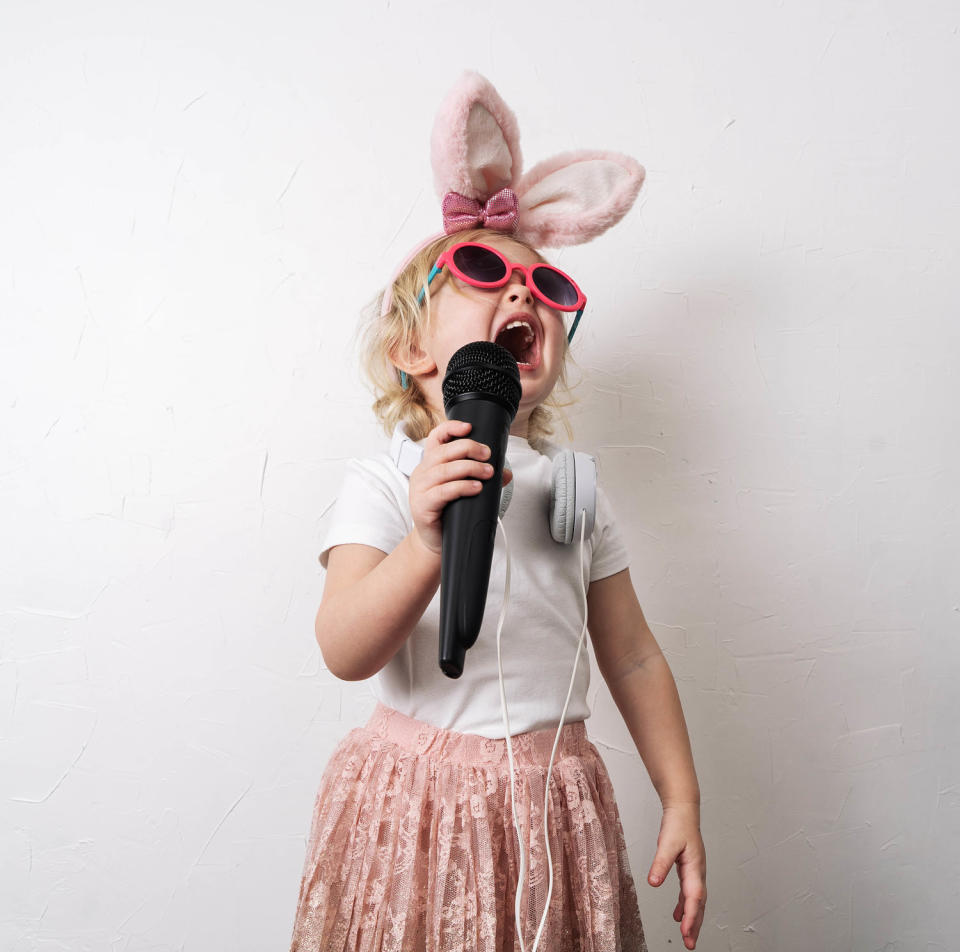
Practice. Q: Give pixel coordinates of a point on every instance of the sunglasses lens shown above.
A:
(479, 263)
(555, 286)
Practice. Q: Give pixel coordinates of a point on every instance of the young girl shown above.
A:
(413, 844)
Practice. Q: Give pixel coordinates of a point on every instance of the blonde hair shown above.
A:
(400, 329)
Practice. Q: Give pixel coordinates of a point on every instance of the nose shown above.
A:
(516, 290)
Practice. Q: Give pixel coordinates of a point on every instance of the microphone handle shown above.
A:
(469, 534)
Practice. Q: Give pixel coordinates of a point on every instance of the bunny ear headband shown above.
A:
(478, 175)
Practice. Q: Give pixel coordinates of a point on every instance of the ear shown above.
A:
(475, 144)
(413, 360)
(575, 196)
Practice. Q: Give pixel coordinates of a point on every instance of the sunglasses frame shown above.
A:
(510, 266)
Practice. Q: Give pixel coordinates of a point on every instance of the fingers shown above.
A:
(452, 464)
(448, 438)
(689, 913)
(449, 456)
(446, 431)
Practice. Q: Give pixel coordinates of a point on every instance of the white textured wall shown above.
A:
(195, 201)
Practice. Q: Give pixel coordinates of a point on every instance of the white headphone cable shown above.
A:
(556, 741)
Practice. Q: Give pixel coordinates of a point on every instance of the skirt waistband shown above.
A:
(531, 748)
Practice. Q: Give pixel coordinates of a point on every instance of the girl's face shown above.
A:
(461, 313)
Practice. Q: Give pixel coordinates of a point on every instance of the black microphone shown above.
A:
(481, 386)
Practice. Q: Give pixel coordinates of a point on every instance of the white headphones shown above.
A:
(573, 490)
(573, 499)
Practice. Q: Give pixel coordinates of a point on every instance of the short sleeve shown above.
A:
(369, 509)
(609, 550)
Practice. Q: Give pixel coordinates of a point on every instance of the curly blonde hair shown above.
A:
(400, 329)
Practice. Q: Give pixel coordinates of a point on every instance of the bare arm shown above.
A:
(642, 686)
(371, 600)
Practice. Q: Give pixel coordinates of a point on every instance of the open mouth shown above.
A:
(522, 341)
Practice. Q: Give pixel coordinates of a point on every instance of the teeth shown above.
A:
(525, 324)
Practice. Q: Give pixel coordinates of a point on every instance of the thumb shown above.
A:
(659, 868)
(507, 476)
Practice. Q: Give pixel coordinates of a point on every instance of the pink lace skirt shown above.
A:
(412, 846)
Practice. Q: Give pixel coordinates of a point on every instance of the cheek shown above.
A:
(557, 342)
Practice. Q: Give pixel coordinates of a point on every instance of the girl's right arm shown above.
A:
(372, 601)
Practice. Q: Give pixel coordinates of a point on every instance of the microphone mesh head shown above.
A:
(483, 367)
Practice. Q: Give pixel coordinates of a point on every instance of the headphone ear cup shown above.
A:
(586, 493)
(574, 489)
(562, 498)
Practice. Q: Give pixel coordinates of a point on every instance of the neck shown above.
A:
(521, 424)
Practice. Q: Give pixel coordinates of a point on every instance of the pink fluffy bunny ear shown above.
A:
(477, 172)
(475, 144)
(575, 196)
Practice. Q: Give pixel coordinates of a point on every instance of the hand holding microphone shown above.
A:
(453, 465)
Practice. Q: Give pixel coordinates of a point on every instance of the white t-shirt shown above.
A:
(544, 612)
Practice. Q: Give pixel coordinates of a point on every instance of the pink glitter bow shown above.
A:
(499, 211)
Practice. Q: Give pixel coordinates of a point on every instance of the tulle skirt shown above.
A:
(412, 846)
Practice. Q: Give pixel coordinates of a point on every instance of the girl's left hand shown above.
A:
(680, 842)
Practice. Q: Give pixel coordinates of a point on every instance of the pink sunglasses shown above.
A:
(484, 267)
